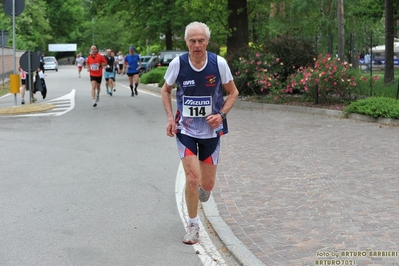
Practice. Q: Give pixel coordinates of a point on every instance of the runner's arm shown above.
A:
(166, 93)
(232, 95)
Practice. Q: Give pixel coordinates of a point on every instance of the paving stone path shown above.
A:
(303, 189)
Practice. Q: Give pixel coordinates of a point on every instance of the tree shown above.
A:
(66, 18)
(238, 26)
(389, 75)
(32, 28)
(341, 29)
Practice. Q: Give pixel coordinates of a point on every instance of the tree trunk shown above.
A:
(389, 75)
(169, 38)
(237, 41)
(341, 30)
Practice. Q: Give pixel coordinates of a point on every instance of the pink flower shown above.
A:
(257, 54)
(277, 59)
(258, 63)
(275, 98)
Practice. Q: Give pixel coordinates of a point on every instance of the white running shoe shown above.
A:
(192, 234)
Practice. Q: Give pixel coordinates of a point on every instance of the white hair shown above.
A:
(198, 24)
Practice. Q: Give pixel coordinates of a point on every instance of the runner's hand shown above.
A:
(171, 128)
(214, 120)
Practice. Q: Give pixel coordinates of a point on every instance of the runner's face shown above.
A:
(93, 50)
(197, 42)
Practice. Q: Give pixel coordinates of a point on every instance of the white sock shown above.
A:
(193, 220)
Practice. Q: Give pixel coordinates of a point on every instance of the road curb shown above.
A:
(227, 236)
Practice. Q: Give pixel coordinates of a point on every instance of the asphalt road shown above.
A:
(90, 186)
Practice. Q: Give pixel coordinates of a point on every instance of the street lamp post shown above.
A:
(92, 29)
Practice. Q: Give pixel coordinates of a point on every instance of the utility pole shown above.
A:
(92, 29)
(341, 30)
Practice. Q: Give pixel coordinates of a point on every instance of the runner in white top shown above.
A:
(120, 60)
(79, 62)
(22, 89)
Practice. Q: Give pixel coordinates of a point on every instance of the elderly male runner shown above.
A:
(200, 119)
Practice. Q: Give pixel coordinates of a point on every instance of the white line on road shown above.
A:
(70, 97)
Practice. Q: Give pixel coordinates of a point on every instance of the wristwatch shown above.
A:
(223, 115)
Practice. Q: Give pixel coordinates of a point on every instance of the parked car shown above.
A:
(50, 63)
(148, 62)
(166, 56)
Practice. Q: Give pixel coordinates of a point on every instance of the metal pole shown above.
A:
(30, 77)
(2, 53)
(371, 64)
(13, 44)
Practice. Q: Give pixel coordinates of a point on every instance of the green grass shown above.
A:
(380, 89)
(4, 88)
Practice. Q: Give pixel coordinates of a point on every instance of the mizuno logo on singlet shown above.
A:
(189, 83)
(195, 103)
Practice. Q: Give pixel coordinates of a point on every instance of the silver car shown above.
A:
(50, 63)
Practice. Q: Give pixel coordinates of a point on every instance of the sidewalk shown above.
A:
(305, 186)
(296, 187)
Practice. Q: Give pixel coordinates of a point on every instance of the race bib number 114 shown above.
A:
(197, 106)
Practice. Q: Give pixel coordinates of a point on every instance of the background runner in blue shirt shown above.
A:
(132, 65)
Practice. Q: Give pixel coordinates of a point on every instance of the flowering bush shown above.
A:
(259, 75)
(331, 78)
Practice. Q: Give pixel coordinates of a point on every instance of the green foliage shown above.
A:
(223, 51)
(294, 52)
(375, 107)
(264, 69)
(154, 76)
(258, 74)
(333, 79)
(33, 30)
(65, 17)
(214, 13)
